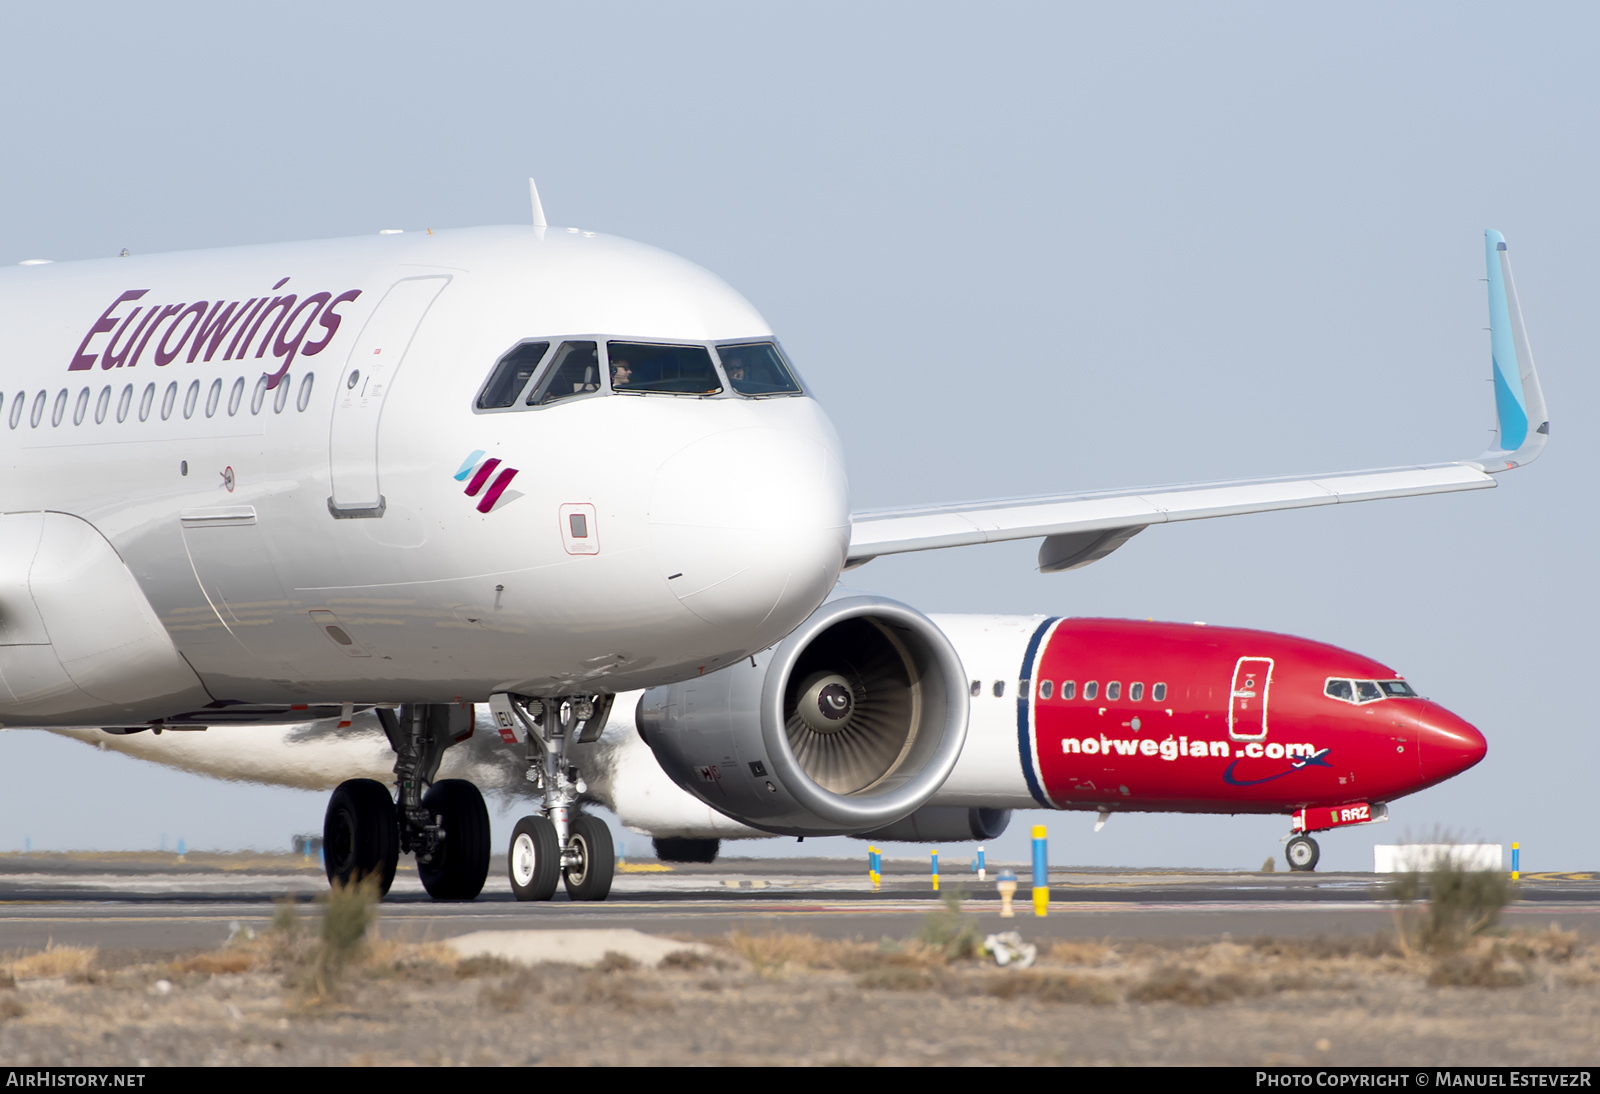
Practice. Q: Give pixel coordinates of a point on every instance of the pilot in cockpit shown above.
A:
(621, 374)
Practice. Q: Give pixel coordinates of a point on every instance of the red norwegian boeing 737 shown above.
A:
(1168, 717)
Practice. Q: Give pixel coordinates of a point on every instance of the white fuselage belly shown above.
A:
(720, 522)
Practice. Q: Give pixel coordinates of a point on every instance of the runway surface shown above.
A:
(140, 905)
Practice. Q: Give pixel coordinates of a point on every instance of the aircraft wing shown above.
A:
(1080, 528)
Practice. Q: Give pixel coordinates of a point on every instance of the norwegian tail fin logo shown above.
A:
(1522, 424)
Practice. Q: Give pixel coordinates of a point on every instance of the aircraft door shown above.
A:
(1247, 702)
(368, 376)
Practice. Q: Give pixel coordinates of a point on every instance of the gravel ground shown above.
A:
(289, 998)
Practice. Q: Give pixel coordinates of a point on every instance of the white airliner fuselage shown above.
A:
(307, 505)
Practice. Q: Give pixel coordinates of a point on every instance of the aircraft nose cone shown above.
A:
(1447, 745)
(751, 527)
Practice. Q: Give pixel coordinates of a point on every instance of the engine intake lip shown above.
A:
(930, 756)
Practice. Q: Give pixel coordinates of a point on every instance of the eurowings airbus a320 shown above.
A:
(528, 466)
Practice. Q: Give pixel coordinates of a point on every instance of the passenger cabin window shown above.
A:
(999, 689)
(574, 370)
(1045, 688)
(1090, 690)
(757, 368)
(511, 375)
(1069, 688)
(1135, 692)
(977, 688)
(1159, 693)
(661, 370)
(1113, 692)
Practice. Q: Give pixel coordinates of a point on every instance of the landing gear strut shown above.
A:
(559, 841)
(1302, 853)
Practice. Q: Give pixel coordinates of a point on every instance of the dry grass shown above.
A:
(220, 961)
(52, 962)
(771, 953)
(1085, 954)
(688, 960)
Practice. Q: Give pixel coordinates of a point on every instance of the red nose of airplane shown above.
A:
(1447, 745)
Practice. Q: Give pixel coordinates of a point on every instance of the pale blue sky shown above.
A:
(1013, 248)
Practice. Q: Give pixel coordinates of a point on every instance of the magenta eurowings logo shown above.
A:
(477, 471)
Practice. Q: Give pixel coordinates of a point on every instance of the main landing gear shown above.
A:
(445, 824)
(1302, 852)
(558, 843)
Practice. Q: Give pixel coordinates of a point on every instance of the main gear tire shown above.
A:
(360, 834)
(458, 867)
(535, 859)
(1302, 853)
(594, 859)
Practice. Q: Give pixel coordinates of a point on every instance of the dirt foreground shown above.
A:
(330, 993)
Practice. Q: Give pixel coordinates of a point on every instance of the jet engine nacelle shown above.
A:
(847, 725)
(944, 824)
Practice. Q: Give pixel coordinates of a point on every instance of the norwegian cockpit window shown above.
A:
(757, 368)
(511, 375)
(573, 370)
(666, 370)
(1397, 689)
(1341, 690)
(1367, 691)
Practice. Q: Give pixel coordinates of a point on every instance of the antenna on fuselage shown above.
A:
(538, 206)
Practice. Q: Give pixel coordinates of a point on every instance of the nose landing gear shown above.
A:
(559, 841)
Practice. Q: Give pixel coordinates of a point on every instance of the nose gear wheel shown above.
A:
(1302, 853)
(591, 857)
(535, 859)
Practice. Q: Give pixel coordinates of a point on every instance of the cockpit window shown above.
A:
(511, 375)
(667, 370)
(1367, 691)
(757, 368)
(574, 370)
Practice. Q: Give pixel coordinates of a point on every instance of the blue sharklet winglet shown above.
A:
(1079, 528)
(1522, 425)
